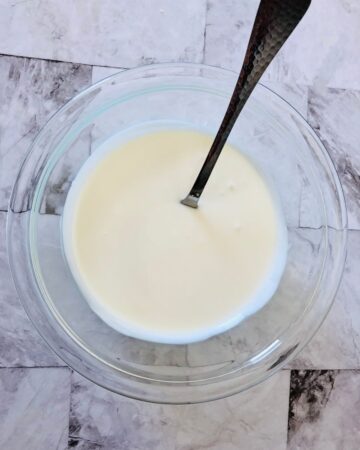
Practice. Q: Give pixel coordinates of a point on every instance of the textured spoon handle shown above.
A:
(274, 22)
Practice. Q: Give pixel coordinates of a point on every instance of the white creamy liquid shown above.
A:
(155, 269)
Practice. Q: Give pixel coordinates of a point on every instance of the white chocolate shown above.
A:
(157, 270)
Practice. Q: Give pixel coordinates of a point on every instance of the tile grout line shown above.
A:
(289, 411)
(35, 367)
(69, 410)
(307, 103)
(205, 29)
(308, 116)
(60, 61)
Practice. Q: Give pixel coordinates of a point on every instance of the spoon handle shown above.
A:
(275, 20)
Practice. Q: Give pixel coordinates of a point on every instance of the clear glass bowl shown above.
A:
(282, 145)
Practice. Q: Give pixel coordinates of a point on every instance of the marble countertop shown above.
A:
(51, 49)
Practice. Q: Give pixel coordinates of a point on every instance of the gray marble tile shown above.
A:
(337, 344)
(109, 33)
(34, 408)
(228, 28)
(30, 91)
(20, 343)
(100, 419)
(321, 50)
(295, 94)
(315, 54)
(66, 169)
(99, 72)
(324, 410)
(335, 115)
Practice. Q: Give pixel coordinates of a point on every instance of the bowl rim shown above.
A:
(23, 295)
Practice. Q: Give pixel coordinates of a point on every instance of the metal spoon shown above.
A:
(274, 22)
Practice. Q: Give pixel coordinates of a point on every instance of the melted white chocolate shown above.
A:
(157, 270)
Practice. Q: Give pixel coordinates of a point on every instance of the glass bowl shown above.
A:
(281, 144)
